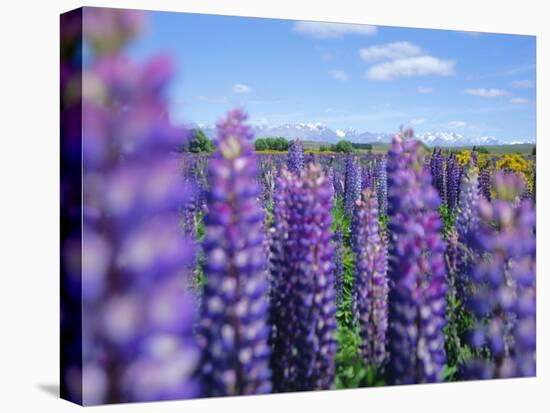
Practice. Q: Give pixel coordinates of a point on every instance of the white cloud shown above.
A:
(241, 88)
(211, 99)
(456, 124)
(424, 90)
(411, 66)
(523, 84)
(519, 100)
(397, 50)
(320, 30)
(339, 75)
(417, 121)
(486, 93)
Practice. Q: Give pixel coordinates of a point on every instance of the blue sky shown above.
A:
(369, 78)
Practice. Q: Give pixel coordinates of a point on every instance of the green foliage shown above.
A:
(351, 371)
(344, 314)
(271, 144)
(449, 372)
(339, 219)
(482, 149)
(459, 320)
(200, 142)
(260, 144)
(448, 217)
(365, 146)
(383, 221)
(198, 272)
(343, 146)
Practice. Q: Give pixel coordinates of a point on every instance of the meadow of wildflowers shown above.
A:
(239, 273)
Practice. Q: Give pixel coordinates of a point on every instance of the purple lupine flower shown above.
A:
(311, 157)
(504, 289)
(338, 183)
(338, 241)
(452, 181)
(283, 301)
(468, 204)
(382, 184)
(137, 317)
(302, 270)
(329, 174)
(352, 184)
(267, 183)
(107, 30)
(370, 280)
(234, 330)
(367, 180)
(467, 223)
(474, 158)
(416, 270)
(485, 183)
(437, 168)
(295, 158)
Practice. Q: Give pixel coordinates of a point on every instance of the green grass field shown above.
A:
(521, 149)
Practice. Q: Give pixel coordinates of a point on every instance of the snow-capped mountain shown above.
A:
(528, 141)
(322, 133)
(455, 139)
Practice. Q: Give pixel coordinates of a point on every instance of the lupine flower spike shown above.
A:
(234, 330)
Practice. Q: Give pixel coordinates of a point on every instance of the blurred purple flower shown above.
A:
(234, 331)
(135, 258)
(504, 285)
(417, 269)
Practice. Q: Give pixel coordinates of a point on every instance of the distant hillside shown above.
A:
(522, 149)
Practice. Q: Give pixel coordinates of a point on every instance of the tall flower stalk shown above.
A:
(352, 184)
(382, 184)
(296, 157)
(503, 285)
(128, 268)
(468, 204)
(416, 270)
(452, 181)
(370, 280)
(302, 271)
(485, 183)
(437, 168)
(234, 330)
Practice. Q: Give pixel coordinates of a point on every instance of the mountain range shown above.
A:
(322, 133)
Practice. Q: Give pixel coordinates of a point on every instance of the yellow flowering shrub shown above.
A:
(464, 156)
(518, 164)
